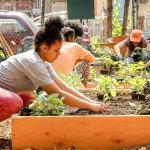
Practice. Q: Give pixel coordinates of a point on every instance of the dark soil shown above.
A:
(5, 135)
(119, 105)
(116, 106)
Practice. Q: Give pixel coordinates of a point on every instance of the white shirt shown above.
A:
(25, 72)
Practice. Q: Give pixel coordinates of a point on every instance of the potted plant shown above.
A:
(107, 64)
(137, 54)
(121, 74)
(137, 88)
(105, 87)
(136, 68)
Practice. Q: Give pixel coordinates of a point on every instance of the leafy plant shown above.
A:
(101, 52)
(137, 54)
(141, 54)
(136, 68)
(127, 79)
(121, 73)
(92, 74)
(107, 62)
(72, 79)
(2, 54)
(145, 54)
(95, 43)
(45, 105)
(116, 26)
(137, 108)
(138, 84)
(130, 70)
(105, 85)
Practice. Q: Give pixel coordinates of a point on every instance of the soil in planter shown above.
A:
(119, 105)
(138, 96)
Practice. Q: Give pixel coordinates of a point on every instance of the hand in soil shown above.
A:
(98, 107)
(100, 103)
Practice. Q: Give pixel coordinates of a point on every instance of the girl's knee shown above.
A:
(10, 101)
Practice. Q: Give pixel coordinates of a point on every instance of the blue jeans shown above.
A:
(129, 60)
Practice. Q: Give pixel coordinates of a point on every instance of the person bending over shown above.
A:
(134, 40)
(32, 69)
(73, 57)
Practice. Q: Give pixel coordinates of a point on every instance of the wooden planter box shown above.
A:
(83, 132)
(91, 85)
(124, 88)
(124, 85)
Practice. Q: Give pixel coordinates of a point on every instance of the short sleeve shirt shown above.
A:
(69, 54)
(25, 72)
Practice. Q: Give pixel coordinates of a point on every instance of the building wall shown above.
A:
(16, 5)
(55, 5)
(146, 15)
(100, 7)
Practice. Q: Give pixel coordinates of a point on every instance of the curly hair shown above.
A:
(67, 32)
(49, 33)
(78, 28)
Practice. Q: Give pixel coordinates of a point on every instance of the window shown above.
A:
(11, 26)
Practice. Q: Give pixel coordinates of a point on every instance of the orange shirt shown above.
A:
(70, 54)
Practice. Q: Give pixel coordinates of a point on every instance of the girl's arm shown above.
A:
(72, 100)
(71, 90)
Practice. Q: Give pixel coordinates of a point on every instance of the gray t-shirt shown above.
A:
(25, 72)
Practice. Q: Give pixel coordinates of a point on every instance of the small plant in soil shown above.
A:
(105, 87)
(121, 73)
(44, 105)
(137, 108)
(127, 80)
(146, 56)
(136, 68)
(137, 54)
(137, 87)
(107, 64)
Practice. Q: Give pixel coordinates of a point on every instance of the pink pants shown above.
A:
(10, 102)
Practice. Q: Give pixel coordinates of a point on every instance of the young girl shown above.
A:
(27, 71)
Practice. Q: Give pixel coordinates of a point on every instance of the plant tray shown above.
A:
(82, 132)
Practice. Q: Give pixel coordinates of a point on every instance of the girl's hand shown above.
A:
(98, 107)
(100, 103)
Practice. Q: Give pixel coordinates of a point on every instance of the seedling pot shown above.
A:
(141, 97)
(134, 95)
(100, 96)
(105, 72)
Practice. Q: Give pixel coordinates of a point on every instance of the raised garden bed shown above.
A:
(83, 129)
(81, 132)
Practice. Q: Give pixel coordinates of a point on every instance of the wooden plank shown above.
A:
(83, 132)
(91, 85)
(121, 90)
